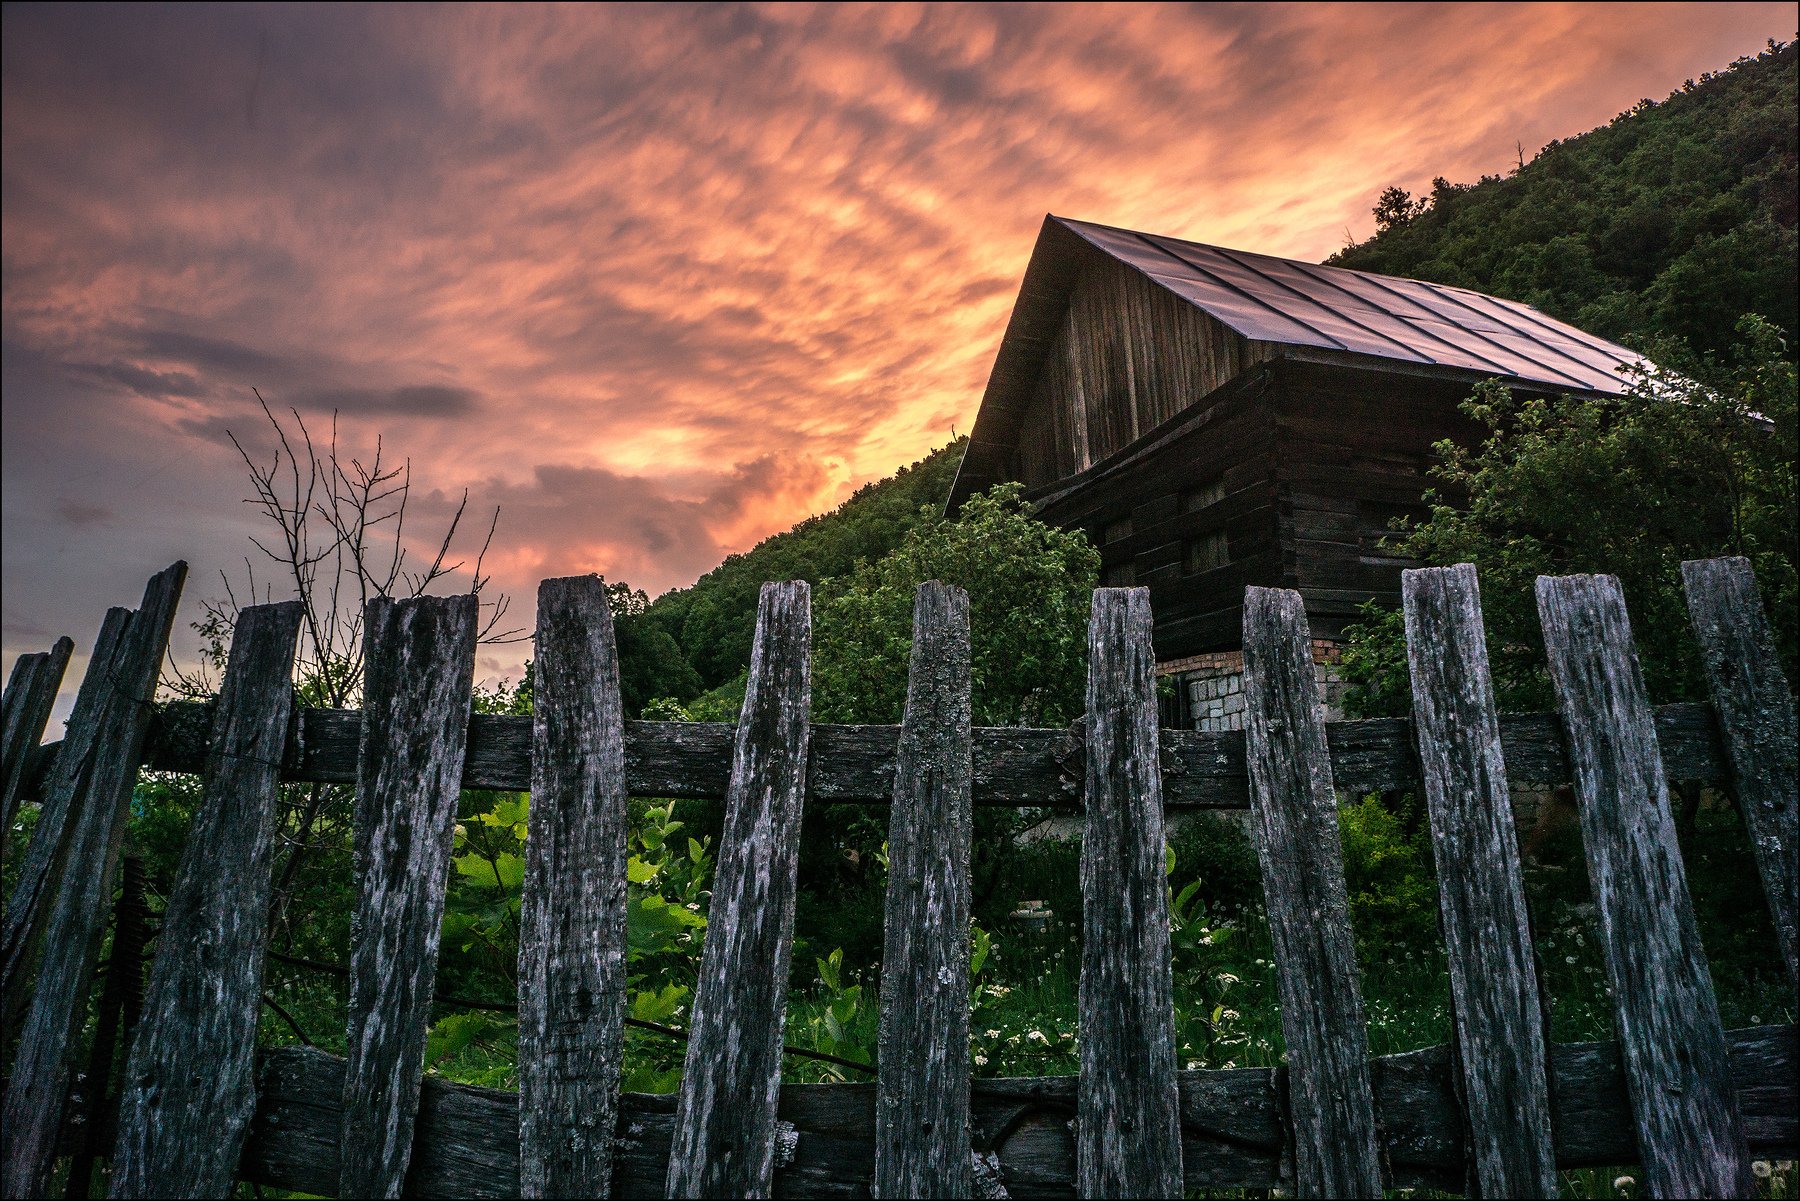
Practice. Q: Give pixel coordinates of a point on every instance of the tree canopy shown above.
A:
(1029, 586)
(1696, 461)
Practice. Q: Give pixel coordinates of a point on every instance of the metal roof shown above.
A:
(1291, 303)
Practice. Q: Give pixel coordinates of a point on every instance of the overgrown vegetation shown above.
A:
(1697, 460)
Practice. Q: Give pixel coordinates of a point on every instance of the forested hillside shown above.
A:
(713, 621)
(1673, 220)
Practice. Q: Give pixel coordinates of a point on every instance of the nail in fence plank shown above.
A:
(24, 712)
(922, 1107)
(1481, 893)
(418, 679)
(724, 1138)
(1294, 812)
(1756, 720)
(1689, 1129)
(90, 792)
(1128, 1127)
(572, 919)
(190, 1088)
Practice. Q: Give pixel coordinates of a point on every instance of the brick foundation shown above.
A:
(1212, 686)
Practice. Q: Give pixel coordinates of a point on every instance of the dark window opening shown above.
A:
(1119, 575)
(1116, 530)
(1206, 552)
(1209, 493)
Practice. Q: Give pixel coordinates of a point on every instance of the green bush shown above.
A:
(1389, 877)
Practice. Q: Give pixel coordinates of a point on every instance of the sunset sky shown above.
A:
(658, 281)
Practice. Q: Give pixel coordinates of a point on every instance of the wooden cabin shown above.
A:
(1214, 418)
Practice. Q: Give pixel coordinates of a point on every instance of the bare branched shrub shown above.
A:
(338, 540)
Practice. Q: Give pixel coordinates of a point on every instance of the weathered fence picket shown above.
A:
(91, 791)
(1294, 813)
(725, 1135)
(572, 913)
(181, 1131)
(1498, 1112)
(1499, 1018)
(1128, 1121)
(27, 908)
(417, 685)
(922, 1094)
(1689, 1128)
(24, 712)
(1756, 719)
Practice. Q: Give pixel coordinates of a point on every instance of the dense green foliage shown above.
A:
(1029, 587)
(1690, 464)
(713, 621)
(1672, 221)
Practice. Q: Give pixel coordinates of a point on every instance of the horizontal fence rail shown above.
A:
(1013, 766)
(1234, 1125)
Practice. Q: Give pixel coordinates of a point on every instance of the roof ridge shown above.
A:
(1267, 298)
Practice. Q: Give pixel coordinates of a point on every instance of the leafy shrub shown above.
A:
(1389, 876)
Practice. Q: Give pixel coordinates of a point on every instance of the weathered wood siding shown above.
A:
(1128, 356)
(1299, 467)
(1209, 472)
(1353, 450)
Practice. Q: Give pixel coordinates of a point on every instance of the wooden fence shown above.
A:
(1498, 1111)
